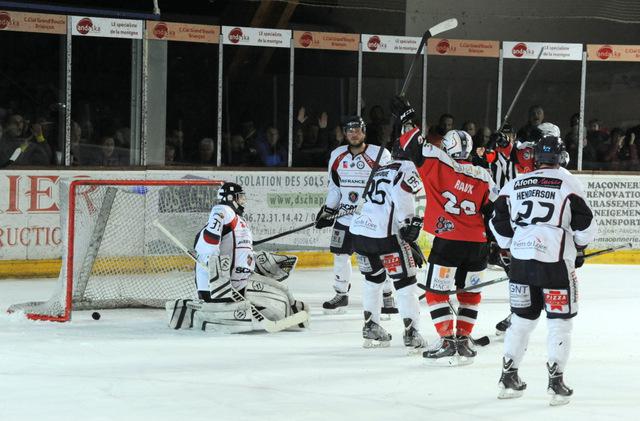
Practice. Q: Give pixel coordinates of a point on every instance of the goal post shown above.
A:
(113, 256)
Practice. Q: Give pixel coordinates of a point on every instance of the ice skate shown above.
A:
(510, 385)
(374, 335)
(465, 348)
(336, 305)
(412, 338)
(503, 325)
(560, 392)
(443, 353)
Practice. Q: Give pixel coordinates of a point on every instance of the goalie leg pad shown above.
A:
(273, 299)
(222, 317)
(179, 314)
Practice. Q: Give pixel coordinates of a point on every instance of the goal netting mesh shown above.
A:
(113, 256)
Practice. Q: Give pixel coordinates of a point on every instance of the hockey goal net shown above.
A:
(113, 256)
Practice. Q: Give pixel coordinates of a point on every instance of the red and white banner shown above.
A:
(372, 43)
(32, 22)
(552, 51)
(106, 28)
(610, 52)
(326, 40)
(256, 37)
(463, 47)
(173, 31)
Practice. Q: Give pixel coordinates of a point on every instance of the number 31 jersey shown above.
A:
(456, 194)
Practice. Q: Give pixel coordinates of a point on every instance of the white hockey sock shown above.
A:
(341, 272)
(516, 338)
(372, 299)
(388, 286)
(559, 341)
(408, 305)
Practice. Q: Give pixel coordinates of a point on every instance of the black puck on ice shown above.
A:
(95, 315)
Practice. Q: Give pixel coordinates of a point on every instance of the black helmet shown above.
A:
(352, 122)
(548, 151)
(232, 194)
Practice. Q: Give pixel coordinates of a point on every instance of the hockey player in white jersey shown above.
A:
(349, 169)
(543, 218)
(230, 276)
(384, 234)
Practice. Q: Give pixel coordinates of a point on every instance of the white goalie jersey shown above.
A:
(348, 175)
(390, 200)
(543, 215)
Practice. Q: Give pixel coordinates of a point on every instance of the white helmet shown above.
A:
(457, 144)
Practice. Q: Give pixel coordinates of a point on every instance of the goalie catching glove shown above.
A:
(326, 217)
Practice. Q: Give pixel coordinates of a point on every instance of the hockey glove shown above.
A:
(410, 230)
(418, 257)
(402, 110)
(580, 256)
(326, 217)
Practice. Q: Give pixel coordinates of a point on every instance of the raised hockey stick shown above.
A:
(519, 91)
(268, 325)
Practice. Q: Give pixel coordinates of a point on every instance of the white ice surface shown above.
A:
(130, 366)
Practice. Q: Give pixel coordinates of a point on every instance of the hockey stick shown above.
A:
(15, 155)
(519, 91)
(434, 30)
(268, 325)
(481, 341)
(609, 250)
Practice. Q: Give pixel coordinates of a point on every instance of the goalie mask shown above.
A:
(457, 144)
(232, 194)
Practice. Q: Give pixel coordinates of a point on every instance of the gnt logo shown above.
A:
(160, 30)
(5, 20)
(85, 25)
(306, 39)
(236, 35)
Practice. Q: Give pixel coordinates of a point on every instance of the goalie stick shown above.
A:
(268, 325)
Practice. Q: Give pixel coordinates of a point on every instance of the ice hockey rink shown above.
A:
(130, 366)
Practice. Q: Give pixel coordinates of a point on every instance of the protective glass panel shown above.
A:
(323, 95)
(612, 131)
(32, 99)
(192, 104)
(382, 79)
(255, 114)
(101, 102)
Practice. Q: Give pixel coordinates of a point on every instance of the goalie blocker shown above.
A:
(266, 290)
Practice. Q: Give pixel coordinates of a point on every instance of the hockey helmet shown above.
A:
(232, 194)
(542, 130)
(353, 122)
(409, 147)
(458, 144)
(548, 151)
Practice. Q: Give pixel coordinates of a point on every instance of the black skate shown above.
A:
(510, 385)
(503, 325)
(560, 392)
(443, 353)
(336, 305)
(465, 347)
(412, 338)
(374, 335)
(388, 303)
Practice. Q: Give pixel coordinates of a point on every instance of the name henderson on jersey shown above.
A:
(545, 194)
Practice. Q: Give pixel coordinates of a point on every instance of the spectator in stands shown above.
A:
(250, 136)
(536, 117)
(445, 123)
(471, 128)
(375, 134)
(598, 146)
(623, 153)
(176, 138)
(482, 137)
(169, 154)
(107, 154)
(206, 152)
(270, 150)
(238, 152)
(571, 141)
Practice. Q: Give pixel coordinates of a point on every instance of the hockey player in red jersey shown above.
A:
(544, 220)
(459, 200)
